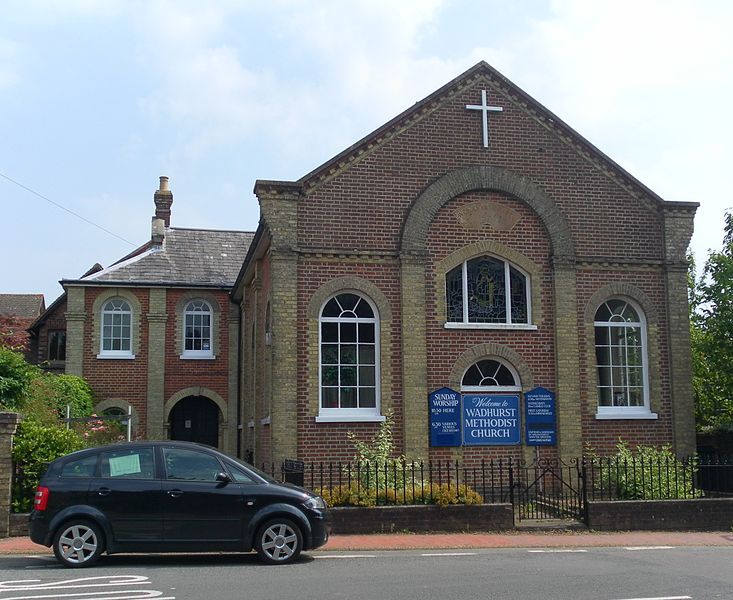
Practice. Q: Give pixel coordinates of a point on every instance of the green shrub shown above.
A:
(34, 445)
(16, 375)
(644, 473)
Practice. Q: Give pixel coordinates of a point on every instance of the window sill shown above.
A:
(512, 326)
(115, 356)
(265, 421)
(624, 415)
(197, 356)
(351, 419)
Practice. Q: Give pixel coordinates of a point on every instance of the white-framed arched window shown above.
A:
(621, 360)
(197, 328)
(490, 374)
(348, 359)
(116, 332)
(487, 291)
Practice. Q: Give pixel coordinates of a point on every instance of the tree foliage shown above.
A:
(13, 335)
(16, 376)
(711, 301)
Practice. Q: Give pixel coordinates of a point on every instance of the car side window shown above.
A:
(81, 467)
(190, 465)
(136, 463)
(239, 475)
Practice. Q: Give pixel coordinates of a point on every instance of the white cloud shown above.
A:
(9, 62)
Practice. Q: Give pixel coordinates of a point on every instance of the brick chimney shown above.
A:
(163, 199)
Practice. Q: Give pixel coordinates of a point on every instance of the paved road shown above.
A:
(600, 573)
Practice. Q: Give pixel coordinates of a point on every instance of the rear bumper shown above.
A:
(38, 529)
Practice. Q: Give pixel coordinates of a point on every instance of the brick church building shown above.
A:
(475, 248)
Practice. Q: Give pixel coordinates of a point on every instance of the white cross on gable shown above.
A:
(485, 110)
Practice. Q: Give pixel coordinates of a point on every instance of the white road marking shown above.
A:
(558, 550)
(449, 554)
(348, 556)
(36, 588)
(661, 598)
(649, 547)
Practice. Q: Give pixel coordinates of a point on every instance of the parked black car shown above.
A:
(171, 497)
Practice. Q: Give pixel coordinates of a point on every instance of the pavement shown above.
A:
(511, 539)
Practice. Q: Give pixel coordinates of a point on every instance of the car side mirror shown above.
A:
(223, 477)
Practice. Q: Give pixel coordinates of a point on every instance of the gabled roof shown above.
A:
(187, 258)
(425, 107)
(24, 306)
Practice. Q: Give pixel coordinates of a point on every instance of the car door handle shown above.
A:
(103, 491)
(249, 502)
(175, 493)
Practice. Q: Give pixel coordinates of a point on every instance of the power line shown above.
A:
(71, 212)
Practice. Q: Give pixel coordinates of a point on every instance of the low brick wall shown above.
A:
(18, 524)
(713, 514)
(388, 519)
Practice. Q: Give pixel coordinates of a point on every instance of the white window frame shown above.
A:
(508, 324)
(625, 412)
(482, 389)
(343, 415)
(198, 354)
(104, 312)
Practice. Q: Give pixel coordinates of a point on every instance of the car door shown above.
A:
(129, 494)
(197, 508)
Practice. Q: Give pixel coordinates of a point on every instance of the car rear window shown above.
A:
(80, 467)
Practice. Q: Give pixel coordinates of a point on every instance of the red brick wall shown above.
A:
(118, 378)
(364, 208)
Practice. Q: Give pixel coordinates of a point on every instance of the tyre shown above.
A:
(279, 542)
(78, 543)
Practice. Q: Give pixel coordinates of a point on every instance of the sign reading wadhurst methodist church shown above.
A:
(490, 420)
(445, 418)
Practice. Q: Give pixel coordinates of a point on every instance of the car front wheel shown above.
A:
(78, 544)
(279, 542)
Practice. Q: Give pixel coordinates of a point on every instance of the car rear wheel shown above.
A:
(279, 542)
(78, 544)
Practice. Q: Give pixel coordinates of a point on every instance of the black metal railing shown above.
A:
(542, 489)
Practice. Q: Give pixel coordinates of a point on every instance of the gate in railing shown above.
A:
(549, 489)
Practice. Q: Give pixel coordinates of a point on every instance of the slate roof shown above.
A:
(25, 306)
(188, 258)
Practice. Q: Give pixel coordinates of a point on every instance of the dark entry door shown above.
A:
(195, 419)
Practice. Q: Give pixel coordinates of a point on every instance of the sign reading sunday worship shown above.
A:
(490, 420)
(445, 418)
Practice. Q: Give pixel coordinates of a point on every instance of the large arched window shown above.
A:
(487, 290)
(116, 337)
(349, 358)
(490, 375)
(197, 324)
(620, 344)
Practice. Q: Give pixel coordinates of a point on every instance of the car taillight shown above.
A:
(41, 499)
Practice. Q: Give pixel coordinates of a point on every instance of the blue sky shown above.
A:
(98, 98)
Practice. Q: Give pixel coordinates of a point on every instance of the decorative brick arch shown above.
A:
(621, 289)
(467, 179)
(490, 350)
(343, 284)
(196, 391)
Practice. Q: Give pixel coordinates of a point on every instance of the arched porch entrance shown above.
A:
(195, 419)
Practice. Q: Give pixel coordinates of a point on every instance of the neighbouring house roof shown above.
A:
(23, 306)
(187, 258)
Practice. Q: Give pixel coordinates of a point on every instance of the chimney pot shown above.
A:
(163, 184)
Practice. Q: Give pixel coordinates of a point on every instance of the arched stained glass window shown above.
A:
(487, 290)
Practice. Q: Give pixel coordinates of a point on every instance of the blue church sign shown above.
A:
(490, 420)
(540, 417)
(445, 418)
